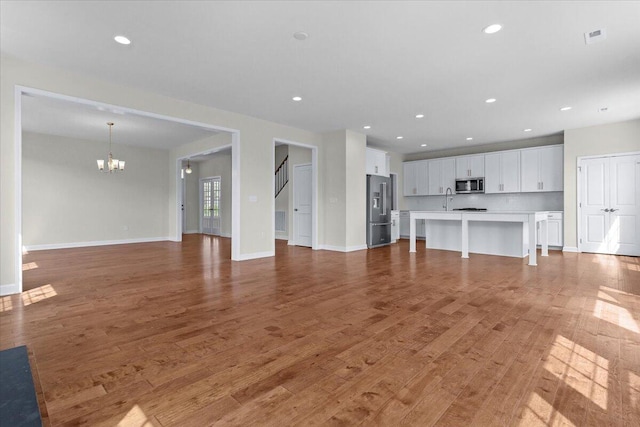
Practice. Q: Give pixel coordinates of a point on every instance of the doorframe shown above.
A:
(314, 188)
(579, 165)
(20, 90)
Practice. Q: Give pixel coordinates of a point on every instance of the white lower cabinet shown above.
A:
(395, 226)
(404, 226)
(554, 227)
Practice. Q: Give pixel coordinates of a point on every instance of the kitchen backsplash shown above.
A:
(552, 201)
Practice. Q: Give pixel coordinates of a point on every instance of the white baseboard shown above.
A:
(282, 237)
(227, 235)
(96, 243)
(255, 255)
(9, 289)
(342, 248)
(191, 232)
(291, 243)
(569, 249)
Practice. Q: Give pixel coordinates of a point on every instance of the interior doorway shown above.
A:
(294, 161)
(210, 205)
(609, 204)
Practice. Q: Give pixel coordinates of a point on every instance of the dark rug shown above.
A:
(18, 401)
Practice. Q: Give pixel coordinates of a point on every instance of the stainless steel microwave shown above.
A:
(469, 185)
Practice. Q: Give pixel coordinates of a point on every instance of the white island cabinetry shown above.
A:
(492, 233)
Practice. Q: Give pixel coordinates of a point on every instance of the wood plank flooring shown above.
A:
(168, 334)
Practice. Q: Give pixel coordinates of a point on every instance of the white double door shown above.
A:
(610, 205)
(210, 205)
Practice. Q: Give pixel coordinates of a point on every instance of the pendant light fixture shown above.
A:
(113, 165)
(188, 170)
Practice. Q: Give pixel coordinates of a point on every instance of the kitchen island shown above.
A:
(503, 233)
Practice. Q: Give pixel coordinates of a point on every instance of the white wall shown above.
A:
(614, 138)
(66, 200)
(220, 165)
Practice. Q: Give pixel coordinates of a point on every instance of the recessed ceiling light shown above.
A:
(490, 100)
(399, 137)
(300, 35)
(423, 145)
(469, 139)
(122, 40)
(366, 127)
(565, 109)
(527, 130)
(297, 98)
(419, 116)
(492, 29)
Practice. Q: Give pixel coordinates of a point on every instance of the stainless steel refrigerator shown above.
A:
(378, 211)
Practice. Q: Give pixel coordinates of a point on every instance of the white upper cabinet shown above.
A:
(542, 169)
(377, 162)
(441, 176)
(416, 178)
(470, 166)
(502, 172)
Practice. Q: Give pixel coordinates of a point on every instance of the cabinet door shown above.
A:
(448, 175)
(409, 179)
(510, 171)
(462, 167)
(422, 178)
(435, 177)
(555, 232)
(371, 162)
(529, 171)
(476, 165)
(493, 176)
(551, 167)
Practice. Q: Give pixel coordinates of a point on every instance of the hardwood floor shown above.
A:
(174, 334)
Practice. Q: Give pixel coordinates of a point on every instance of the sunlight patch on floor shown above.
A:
(580, 368)
(29, 266)
(135, 417)
(615, 314)
(634, 389)
(539, 412)
(5, 304)
(35, 295)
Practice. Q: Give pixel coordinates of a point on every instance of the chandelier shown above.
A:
(113, 165)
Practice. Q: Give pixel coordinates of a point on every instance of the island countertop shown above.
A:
(528, 219)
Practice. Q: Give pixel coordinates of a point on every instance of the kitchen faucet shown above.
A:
(447, 198)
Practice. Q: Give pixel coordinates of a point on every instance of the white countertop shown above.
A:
(483, 212)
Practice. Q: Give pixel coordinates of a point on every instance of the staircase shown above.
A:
(282, 175)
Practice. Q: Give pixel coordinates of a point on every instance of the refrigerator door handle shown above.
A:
(380, 223)
(384, 198)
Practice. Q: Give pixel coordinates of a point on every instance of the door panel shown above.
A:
(302, 205)
(610, 211)
(510, 171)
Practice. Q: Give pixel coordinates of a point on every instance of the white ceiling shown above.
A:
(375, 63)
(64, 118)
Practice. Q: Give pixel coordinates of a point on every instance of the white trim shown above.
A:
(314, 189)
(191, 232)
(255, 255)
(9, 289)
(343, 248)
(235, 196)
(570, 249)
(17, 217)
(227, 235)
(46, 247)
(282, 238)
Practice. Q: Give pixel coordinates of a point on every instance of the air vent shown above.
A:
(595, 36)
